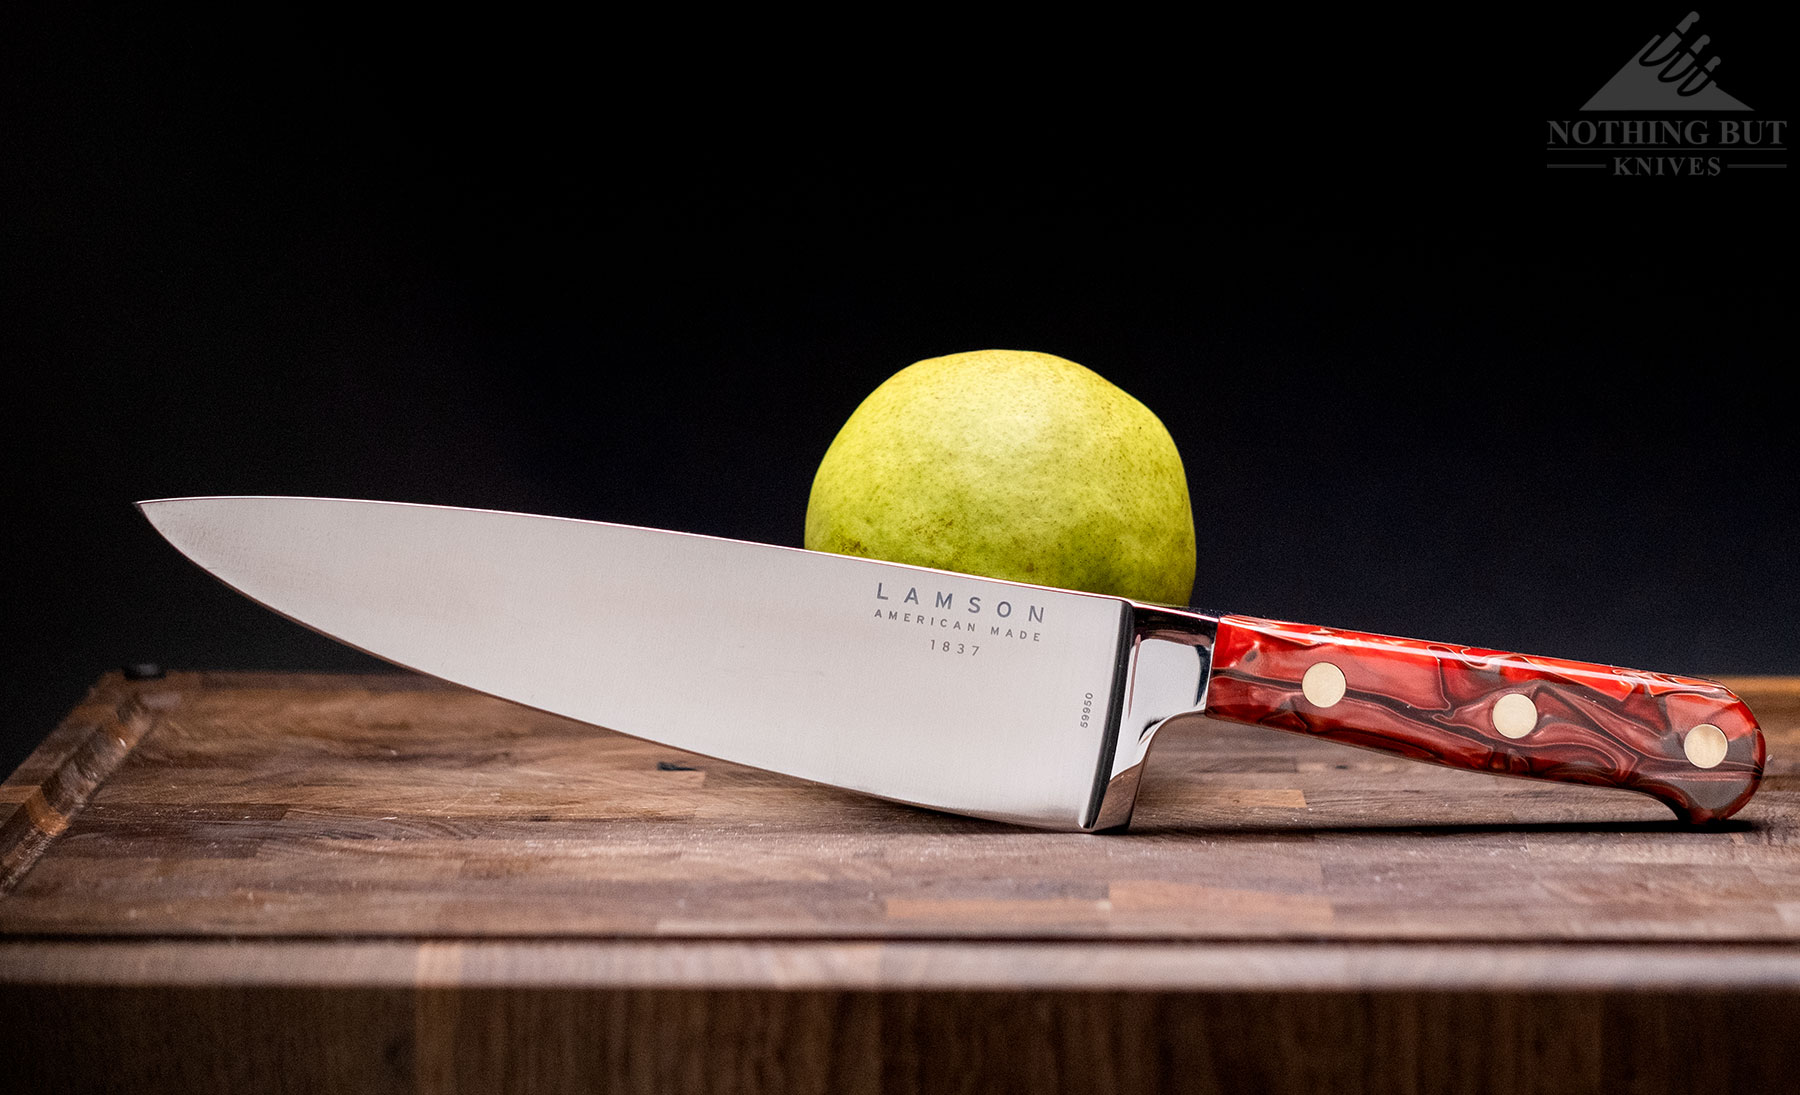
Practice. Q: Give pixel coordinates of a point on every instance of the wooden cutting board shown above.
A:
(407, 866)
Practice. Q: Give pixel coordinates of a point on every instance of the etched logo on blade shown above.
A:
(1664, 113)
(983, 616)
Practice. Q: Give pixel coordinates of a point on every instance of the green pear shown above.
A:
(1010, 464)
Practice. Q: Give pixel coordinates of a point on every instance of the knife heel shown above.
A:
(1690, 743)
(1166, 663)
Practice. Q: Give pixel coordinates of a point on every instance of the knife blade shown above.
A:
(996, 699)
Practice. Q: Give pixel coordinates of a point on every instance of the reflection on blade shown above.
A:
(944, 690)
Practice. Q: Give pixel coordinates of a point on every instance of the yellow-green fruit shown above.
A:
(1013, 465)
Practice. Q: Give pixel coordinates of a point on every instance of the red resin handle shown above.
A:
(1690, 743)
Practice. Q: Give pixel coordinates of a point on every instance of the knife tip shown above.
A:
(180, 498)
(149, 508)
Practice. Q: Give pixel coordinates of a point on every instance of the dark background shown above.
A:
(1422, 384)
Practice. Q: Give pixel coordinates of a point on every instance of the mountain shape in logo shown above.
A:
(1668, 74)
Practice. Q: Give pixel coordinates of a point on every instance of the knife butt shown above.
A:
(1690, 743)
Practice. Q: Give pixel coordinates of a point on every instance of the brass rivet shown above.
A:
(1515, 715)
(1705, 746)
(1323, 684)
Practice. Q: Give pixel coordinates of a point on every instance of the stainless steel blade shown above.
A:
(943, 690)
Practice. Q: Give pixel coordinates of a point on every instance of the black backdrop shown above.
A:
(1423, 384)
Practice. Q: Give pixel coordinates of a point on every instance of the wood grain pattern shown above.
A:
(57, 779)
(265, 806)
(386, 884)
(903, 965)
(283, 1039)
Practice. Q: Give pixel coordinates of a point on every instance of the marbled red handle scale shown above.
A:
(1435, 702)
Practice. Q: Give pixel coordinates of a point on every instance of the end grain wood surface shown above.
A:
(385, 883)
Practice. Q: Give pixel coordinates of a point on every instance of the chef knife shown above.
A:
(996, 699)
